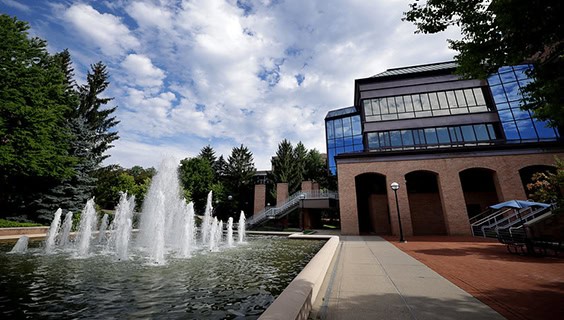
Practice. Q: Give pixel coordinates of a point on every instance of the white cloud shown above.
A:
(17, 5)
(141, 71)
(103, 30)
(191, 73)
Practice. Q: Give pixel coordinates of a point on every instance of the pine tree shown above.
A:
(239, 175)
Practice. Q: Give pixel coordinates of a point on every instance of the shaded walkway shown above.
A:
(518, 287)
(372, 279)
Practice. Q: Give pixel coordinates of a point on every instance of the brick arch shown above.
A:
(480, 187)
(425, 205)
(372, 203)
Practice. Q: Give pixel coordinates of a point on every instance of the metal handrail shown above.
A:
(293, 200)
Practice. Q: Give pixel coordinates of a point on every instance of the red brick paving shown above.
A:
(516, 286)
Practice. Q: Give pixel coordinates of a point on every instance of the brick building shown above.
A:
(454, 145)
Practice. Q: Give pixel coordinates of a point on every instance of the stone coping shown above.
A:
(296, 301)
(18, 231)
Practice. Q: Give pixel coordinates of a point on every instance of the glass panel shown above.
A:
(508, 77)
(443, 100)
(395, 138)
(434, 100)
(338, 128)
(481, 132)
(512, 91)
(510, 130)
(408, 103)
(520, 114)
(407, 137)
(459, 110)
(356, 125)
(526, 129)
(469, 94)
(373, 140)
(383, 106)
(422, 114)
(505, 115)
(451, 99)
(478, 109)
(479, 96)
(347, 127)
(502, 106)
(399, 104)
(384, 139)
(416, 102)
(453, 135)
(425, 101)
(392, 116)
(373, 118)
(391, 105)
(460, 98)
(339, 142)
(441, 112)
(367, 108)
(468, 133)
(348, 148)
(491, 131)
(494, 79)
(442, 133)
(431, 136)
(409, 115)
(330, 130)
(376, 106)
(418, 137)
(357, 140)
(544, 131)
(331, 143)
(498, 94)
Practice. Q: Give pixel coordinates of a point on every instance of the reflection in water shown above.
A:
(241, 281)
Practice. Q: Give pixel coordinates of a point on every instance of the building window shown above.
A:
(518, 125)
(344, 135)
(421, 105)
(453, 136)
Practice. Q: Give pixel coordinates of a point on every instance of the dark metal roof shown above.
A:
(341, 112)
(417, 69)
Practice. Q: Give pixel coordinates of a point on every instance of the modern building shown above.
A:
(454, 145)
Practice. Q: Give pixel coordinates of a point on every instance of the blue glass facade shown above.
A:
(344, 134)
(518, 125)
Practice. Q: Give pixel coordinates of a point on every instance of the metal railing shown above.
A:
(289, 205)
(490, 227)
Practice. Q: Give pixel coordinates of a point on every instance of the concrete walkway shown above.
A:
(372, 279)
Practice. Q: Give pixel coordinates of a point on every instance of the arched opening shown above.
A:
(527, 173)
(427, 215)
(372, 204)
(479, 190)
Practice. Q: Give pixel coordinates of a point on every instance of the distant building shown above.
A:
(455, 146)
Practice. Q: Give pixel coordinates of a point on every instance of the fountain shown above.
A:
(21, 245)
(53, 231)
(166, 269)
(102, 229)
(64, 240)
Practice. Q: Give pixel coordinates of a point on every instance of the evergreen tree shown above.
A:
(300, 161)
(239, 182)
(196, 176)
(34, 139)
(207, 153)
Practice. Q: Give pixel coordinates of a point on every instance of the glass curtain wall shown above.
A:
(518, 125)
(344, 135)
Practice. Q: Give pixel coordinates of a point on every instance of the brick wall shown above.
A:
(506, 179)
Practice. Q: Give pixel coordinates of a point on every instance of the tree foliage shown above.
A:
(238, 180)
(497, 33)
(197, 178)
(548, 186)
(34, 139)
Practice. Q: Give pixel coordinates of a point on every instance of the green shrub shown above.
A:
(15, 224)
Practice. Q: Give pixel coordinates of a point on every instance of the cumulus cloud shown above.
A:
(141, 71)
(191, 73)
(103, 30)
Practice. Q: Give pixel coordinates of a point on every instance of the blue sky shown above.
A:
(185, 74)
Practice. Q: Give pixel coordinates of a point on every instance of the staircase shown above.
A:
(288, 206)
(504, 219)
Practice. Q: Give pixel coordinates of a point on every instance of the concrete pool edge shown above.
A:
(296, 301)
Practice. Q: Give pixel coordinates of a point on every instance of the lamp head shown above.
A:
(394, 186)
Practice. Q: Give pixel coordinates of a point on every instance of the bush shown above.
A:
(15, 224)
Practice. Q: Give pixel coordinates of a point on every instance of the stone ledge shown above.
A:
(23, 231)
(296, 301)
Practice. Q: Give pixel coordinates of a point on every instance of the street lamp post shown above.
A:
(395, 186)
